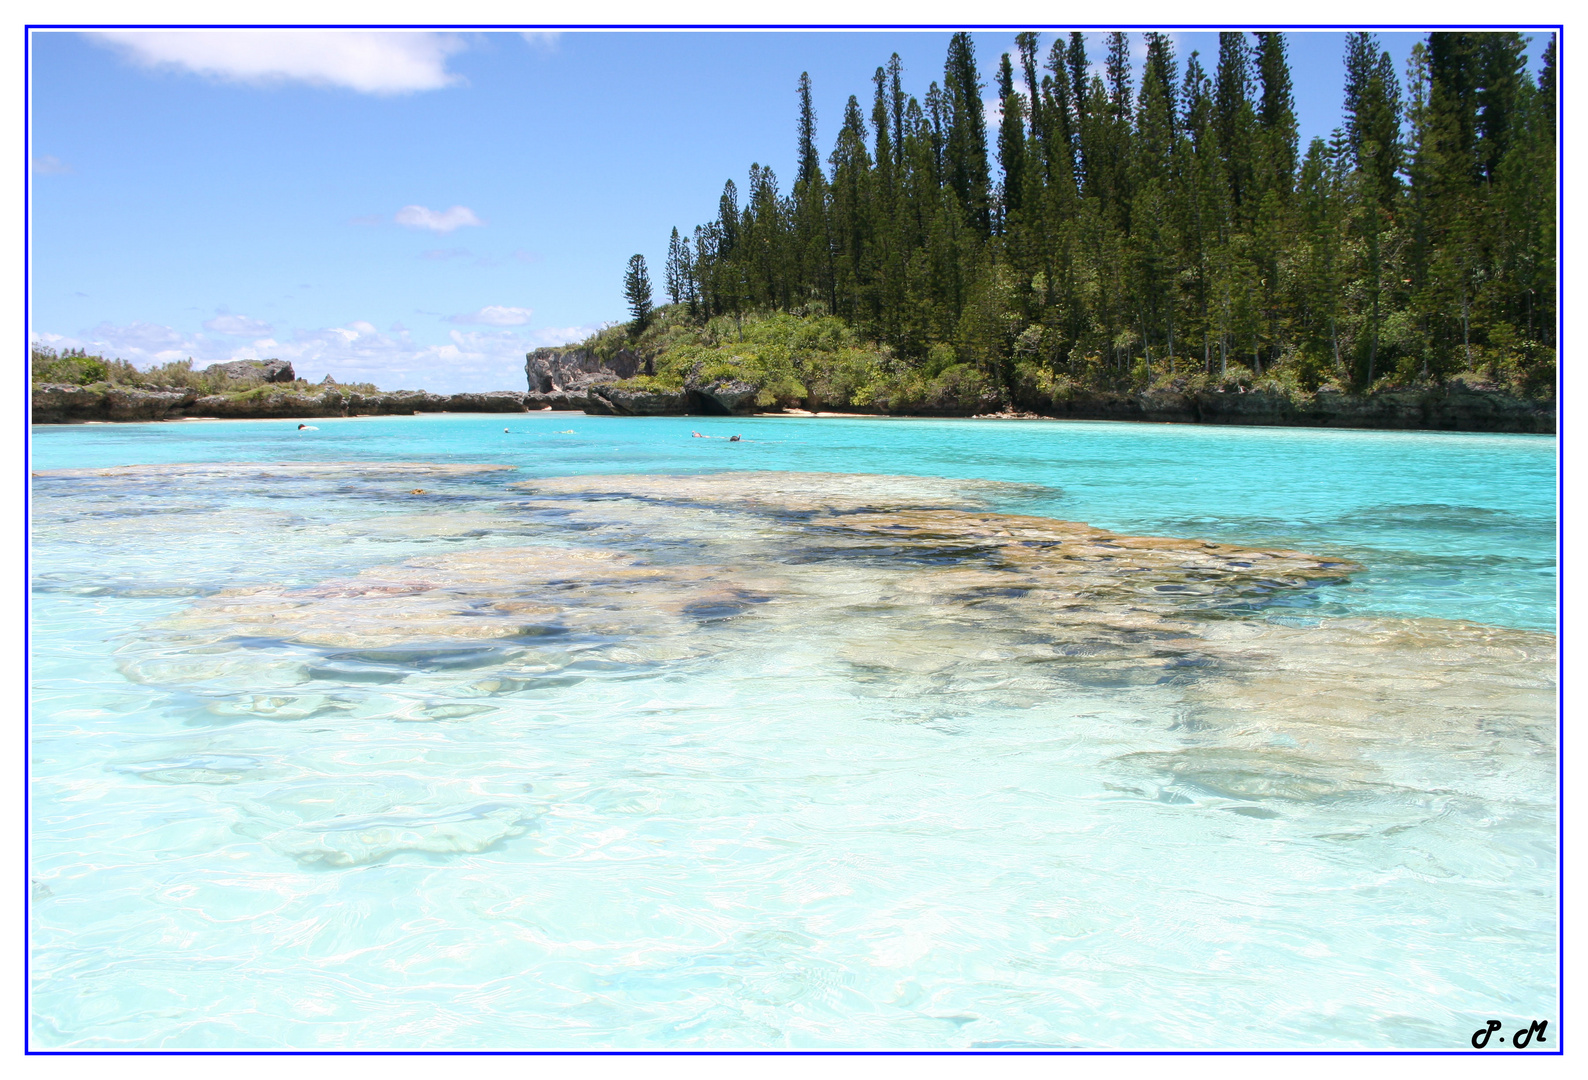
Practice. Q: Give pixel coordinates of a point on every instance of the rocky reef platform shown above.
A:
(470, 598)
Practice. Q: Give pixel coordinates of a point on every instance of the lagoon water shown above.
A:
(414, 732)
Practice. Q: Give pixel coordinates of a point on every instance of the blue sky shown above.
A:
(419, 209)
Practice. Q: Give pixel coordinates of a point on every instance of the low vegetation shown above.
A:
(793, 360)
(77, 368)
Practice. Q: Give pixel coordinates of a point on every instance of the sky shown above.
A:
(419, 209)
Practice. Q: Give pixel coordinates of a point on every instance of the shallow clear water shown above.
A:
(564, 754)
(1454, 525)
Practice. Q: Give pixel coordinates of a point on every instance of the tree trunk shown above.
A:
(1378, 289)
(1372, 345)
(1465, 342)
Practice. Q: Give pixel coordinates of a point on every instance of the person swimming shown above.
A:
(734, 438)
(307, 427)
(697, 435)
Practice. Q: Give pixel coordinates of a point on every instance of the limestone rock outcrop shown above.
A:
(579, 379)
(61, 403)
(269, 371)
(1455, 406)
(394, 403)
(489, 401)
(634, 401)
(720, 397)
(285, 406)
(55, 403)
(559, 371)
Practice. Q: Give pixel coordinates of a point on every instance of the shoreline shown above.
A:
(801, 414)
(1455, 407)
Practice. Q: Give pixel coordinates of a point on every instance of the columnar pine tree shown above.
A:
(1011, 143)
(677, 271)
(1372, 129)
(637, 291)
(1275, 166)
(1235, 119)
(810, 160)
(965, 140)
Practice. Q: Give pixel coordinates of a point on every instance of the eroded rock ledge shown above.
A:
(1455, 406)
(59, 403)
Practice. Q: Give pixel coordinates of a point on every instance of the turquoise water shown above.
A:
(1451, 525)
(402, 756)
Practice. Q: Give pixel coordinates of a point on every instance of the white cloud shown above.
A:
(542, 40)
(150, 341)
(370, 62)
(441, 221)
(495, 315)
(357, 352)
(482, 340)
(992, 112)
(240, 325)
(50, 165)
(562, 335)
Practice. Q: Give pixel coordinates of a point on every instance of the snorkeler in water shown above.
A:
(734, 439)
(696, 435)
(307, 427)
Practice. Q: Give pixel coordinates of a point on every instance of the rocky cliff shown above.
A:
(622, 385)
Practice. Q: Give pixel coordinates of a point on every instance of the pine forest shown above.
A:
(1114, 235)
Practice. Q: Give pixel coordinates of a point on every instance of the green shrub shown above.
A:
(72, 366)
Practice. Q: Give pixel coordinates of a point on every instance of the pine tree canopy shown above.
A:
(1168, 225)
